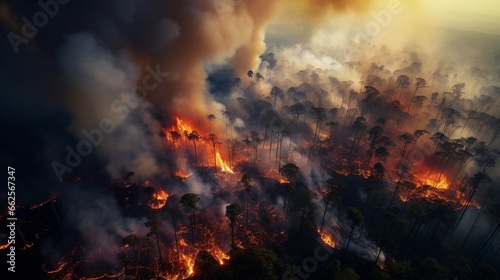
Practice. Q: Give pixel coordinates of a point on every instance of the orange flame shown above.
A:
(182, 175)
(59, 268)
(219, 255)
(4, 246)
(189, 261)
(159, 200)
(222, 164)
(283, 181)
(182, 126)
(327, 239)
(435, 179)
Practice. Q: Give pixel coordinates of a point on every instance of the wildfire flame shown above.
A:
(182, 126)
(59, 268)
(327, 239)
(435, 179)
(182, 175)
(222, 164)
(159, 200)
(219, 255)
(189, 261)
(283, 181)
(4, 246)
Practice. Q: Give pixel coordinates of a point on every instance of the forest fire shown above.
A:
(61, 265)
(158, 200)
(327, 239)
(248, 141)
(224, 167)
(189, 263)
(200, 143)
(182, 175)
(182, 126)
(219, 255)
(434, 179)
(4, 246)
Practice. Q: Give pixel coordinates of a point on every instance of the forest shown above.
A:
(323, 157)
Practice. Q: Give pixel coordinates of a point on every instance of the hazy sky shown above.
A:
(489, 7)
(479, 15)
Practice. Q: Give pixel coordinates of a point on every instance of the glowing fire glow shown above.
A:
(434, 179)
(222, 164)
(182, 126)
(327, 239)
(182, 175)
(219, 255)
(59, 268)
(283, 181)
(159, 200)
(189, 261)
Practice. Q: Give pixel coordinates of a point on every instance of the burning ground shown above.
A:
(230, 139)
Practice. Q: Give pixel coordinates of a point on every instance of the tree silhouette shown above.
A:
(381, 153)
(406, 138)
(194, 137)
(374, 133)
(418, 102)
(246, 181)
(371, 93)
(420, 83)
(250, 74)
(132, 240)
(190, 201)
(173, 209)
(333, 189)
(288, 171)
(403, 168)
(256, 140)
(276, 92)
(333, 125)
(232, 212)
(154, 223)
(175, 136)
(358, 127)
(494, 212)
(212, 139)
(357, 218)
(210, 118)
(259, 76)
(403, 82)
(320, 115)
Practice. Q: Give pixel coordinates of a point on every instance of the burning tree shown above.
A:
(194, 137)
(175, 214)
(133, 241)
(334, 186)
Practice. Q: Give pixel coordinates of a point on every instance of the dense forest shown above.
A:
(292, 160)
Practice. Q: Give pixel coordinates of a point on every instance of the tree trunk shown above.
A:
(159, 251)
(176, 240)
(195, 154)
(232, 234)
(350, 237)
(324, 214)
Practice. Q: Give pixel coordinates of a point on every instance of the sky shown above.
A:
(488, 7)
(480, 16)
